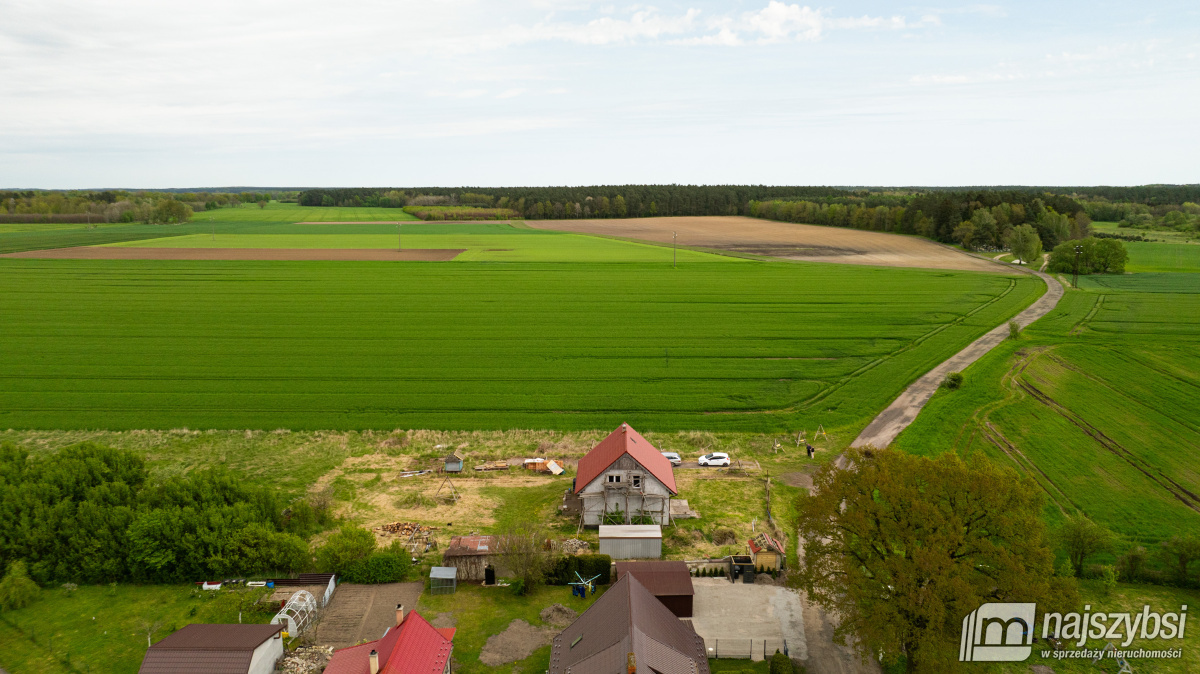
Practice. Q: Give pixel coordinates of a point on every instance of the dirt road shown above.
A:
(790, 241)
(903, 410)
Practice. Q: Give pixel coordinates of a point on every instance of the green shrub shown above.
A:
(385, 566)
(17, 589)
(344, 549)
(953, 380)
(1014, 330)
(780, 664)
(1108, 573)
(518, 587)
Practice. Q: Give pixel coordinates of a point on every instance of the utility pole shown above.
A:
(674, 255)
(1075, 276)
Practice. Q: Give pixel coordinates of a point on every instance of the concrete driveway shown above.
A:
(736, 619)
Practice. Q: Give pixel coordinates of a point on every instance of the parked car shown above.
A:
(714, 459)
(673, 458)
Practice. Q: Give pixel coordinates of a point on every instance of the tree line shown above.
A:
(107, 206)
(92, 514)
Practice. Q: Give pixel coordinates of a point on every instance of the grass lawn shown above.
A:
(481, 612)
(1096, 402)
(103, 629)
(751, 346)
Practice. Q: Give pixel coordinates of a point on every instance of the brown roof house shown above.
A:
(669, 582)
(628, 631)
(625, 480)
(216, 649)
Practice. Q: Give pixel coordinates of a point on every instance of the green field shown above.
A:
(482, 242)
(1163, 257)
(1097, 402)
(718, 345)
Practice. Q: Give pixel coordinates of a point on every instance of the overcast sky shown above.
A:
(457, 92)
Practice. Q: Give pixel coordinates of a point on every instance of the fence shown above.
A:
(744, 649)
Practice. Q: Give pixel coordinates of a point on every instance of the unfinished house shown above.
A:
(624, 480)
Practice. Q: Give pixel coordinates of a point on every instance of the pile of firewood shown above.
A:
(404, 529)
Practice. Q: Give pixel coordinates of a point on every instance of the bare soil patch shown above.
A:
(336, 254)
(784, 240)
(557, 615)
(517, 642)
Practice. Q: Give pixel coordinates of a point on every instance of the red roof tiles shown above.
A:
(414, 647)
(620, 442)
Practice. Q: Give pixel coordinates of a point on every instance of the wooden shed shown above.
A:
(669, 582)
(472, 555)
(631, 541)
(454, 462)
(768, 552)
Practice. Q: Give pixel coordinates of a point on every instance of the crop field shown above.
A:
(1163, 257)
(1097, 402)
(480, 242)
(727, 344)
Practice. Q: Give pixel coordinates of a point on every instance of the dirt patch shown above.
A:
(334, 254)
(803, 480)
(364, 612)
(784, 240)
(442, 620)
(557, 615)
(517, 642)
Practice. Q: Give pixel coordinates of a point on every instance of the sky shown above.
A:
(151, 94)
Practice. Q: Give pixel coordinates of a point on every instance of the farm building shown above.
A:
(627, 630)
(411, 646)
(217, 649)
(631, 541)
(625, 480)
(472, 555)
(453, 463)
(670, 582)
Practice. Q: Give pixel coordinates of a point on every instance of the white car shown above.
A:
(714, 459)
(673, 458)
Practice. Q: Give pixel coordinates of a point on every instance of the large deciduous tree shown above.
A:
(1025, 243)
(904, 547)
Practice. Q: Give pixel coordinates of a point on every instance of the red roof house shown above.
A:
(413, 646)
(623, 478)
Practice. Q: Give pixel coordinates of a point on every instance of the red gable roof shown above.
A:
(414, 647)
(620, 442)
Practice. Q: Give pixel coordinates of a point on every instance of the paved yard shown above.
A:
(735, 618)
(358, 612)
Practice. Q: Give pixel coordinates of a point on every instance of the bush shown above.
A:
(17, 589)
(1130, 564)
(780, 664)
(386, 566)
(953, 381)
(344, 549)
(1014, 330)
(1108, 573)
(518, 587)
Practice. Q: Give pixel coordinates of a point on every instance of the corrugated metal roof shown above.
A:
(620, 442)
(218, 637)
(627, 619)
(414, 647)
(660, 578)
(471, 545)
(630, 531)
(196, 661)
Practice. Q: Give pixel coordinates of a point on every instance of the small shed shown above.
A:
(631, 541)
(669, 582)
(454, 462)
(443, 580)
(768, 552)
(472, 555)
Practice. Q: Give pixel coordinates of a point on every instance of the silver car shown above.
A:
(673, 458)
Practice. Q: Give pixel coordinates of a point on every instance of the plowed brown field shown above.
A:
(130, 253)
(784, 240)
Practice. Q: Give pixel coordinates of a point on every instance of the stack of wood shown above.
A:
(493, 465)
(404, 529)
(574, 546)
